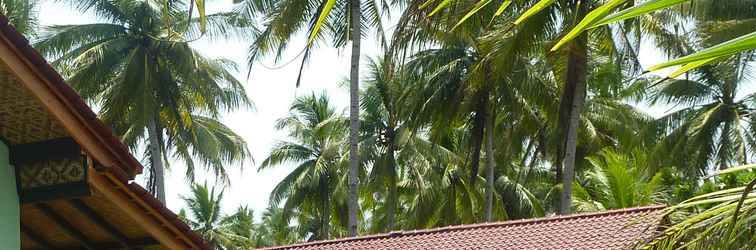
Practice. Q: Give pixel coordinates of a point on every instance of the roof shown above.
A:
(75, 104)
(615, 229)
(119, 166)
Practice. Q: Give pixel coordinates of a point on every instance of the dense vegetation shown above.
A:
(476, 111)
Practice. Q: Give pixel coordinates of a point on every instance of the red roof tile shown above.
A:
(616, 229)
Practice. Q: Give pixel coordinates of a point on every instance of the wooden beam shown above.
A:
(38, 239)
(75, 123)
(53, 149)
(65, 225)
(54, 192)
(103, 224)
(135, 243)
(117, 193)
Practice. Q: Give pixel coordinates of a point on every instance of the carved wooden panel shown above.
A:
(50, 173)
(49, 170)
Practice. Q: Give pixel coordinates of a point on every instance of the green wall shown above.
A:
(10, 235)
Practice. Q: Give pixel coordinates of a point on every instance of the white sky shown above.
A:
(272, 91)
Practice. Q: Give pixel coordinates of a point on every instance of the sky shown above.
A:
(271, 89)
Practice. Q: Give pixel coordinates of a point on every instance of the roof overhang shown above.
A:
(114, 203)
(64, 103)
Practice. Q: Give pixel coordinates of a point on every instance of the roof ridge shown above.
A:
(473, 226)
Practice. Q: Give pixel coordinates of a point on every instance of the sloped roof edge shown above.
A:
(127, 166)
(76, 105)
(394, 234)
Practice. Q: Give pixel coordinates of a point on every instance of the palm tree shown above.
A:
(616, 181)
(457, 78)
(382, 101)
(273, 229)
(342, 21)
(219, 231)
(397, 153)
(22, 14)
(446, 196)
(713, 123)
(317, 131)
(151, 86)
(715, 129)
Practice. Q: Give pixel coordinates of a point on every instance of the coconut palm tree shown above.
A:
(711, 125)
(274, 229)
(447, 197)
(397, 153)
(382, 101)
(616, 181)
(316, 147)
(206, 218)
(457, 78)
(22, 14)
(715, 129)
(341, 21)
(150, 85)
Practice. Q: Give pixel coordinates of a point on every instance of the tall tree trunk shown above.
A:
(476, 139)
(393, 193)
(491, 166)
(354, 117)
(575, 88)
(325, 220)
(156, 158)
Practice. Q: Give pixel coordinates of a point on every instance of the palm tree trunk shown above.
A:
(575, 88)
(476, 140)
(156, 158)
(393, 193)
(325, 220)
(491, 167)
(354, 117)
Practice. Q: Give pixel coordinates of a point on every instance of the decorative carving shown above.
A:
(51, 172)
(50, 169)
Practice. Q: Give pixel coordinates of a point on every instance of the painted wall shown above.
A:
(10, 235)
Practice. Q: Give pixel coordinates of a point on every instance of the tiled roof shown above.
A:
(616, 229)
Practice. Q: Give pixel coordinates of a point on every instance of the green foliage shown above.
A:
(138, 69)
(223, 232)
(618, 181)
(315, 185)
(721, 219)
(451, 71)
(22, 14)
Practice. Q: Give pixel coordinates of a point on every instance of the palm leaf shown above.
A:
(641, 9)
(321, 19)
(472, 12)
(589, 19)
(734, 46)
(439, 7)
(736, 169)
(538, 7)
(502, 7)
(202, 17)
(690, 66)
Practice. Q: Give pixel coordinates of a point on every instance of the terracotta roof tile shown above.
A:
(616, 229)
